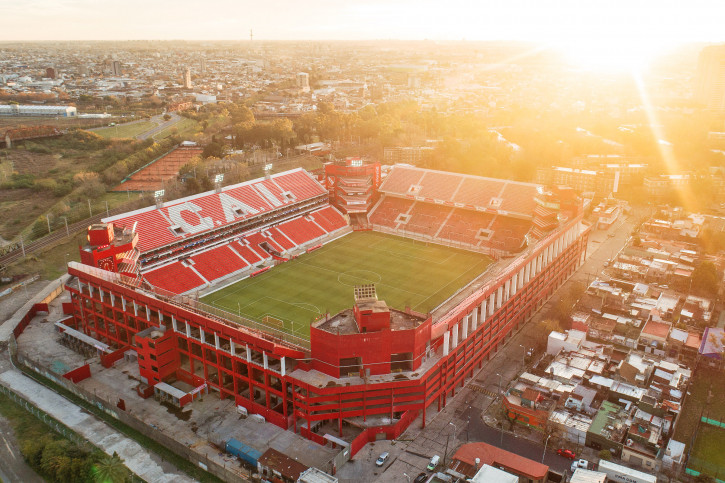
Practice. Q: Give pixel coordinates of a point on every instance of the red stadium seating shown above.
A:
(386, 212)
(439, 185)
(472, 191)
(447, 224)
(300, 230)
(282, 240)
(329, 219)
(247, 253)
(217, 262)
(174, 277)
(206, 211)
(426, 218)
(464, 225)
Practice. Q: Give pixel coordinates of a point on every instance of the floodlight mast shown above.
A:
(159, 197)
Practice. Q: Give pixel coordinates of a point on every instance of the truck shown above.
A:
(623, 474)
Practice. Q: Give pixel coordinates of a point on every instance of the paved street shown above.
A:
(461, 420)
(136, 458)
(162, 125)
(12, 464)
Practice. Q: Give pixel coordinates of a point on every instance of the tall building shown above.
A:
(303, 81)
(203, 65)
(115, 68)
(710, 88)
(187, 78)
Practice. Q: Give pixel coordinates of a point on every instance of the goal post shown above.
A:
(273, 322)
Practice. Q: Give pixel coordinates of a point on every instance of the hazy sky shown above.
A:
(643, 21)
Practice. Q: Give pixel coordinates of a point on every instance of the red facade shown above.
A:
(282, 382)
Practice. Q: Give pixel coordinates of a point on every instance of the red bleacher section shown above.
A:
(175, 278)
(218, 262)
(329, 219)
(454, 208)
(473, 191)
(154, 224)
(388, 210)
(463, 226)
(301, 230)
(426, 219)
(246, 252)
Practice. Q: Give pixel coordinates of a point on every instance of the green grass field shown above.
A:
(405, 273)
(709, 446)
(130, 130)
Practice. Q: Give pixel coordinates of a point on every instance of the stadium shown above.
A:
(342, 308)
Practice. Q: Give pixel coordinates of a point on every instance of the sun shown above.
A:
(612, 54)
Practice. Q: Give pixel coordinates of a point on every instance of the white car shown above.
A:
(583, 464)
(382, 458)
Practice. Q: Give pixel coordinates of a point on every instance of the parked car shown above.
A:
(583, 464)
(420, 478)
(433, 462)
(382, 459)
(566, 453)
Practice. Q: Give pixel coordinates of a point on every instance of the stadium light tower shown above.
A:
(159, 197)
(267, 170)
(218, 182)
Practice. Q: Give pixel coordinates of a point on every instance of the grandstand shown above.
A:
(196, 242)
(372, 368)
(487, 215)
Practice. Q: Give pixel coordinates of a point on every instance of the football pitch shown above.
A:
(405, 273)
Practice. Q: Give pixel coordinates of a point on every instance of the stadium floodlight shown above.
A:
(356, 163)
(219, 178)
(268, 167)
(159, 194)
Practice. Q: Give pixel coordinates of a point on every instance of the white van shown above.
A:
(433, 462)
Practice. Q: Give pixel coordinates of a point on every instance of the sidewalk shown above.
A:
(136, 458)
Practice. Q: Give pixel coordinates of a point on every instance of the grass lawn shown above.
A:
(706, 393)
(129, 130)
(709, 446)
(405, 273)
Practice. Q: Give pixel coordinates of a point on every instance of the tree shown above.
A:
(214, 149)
(605, 454)
(549, 325)
(167, 117)
(705, 278)
(110, 469)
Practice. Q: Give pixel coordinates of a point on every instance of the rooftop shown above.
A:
(491, 455)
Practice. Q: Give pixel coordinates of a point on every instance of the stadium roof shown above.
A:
(505, 197)
(185, 217)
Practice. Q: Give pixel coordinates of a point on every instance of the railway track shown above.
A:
(56, 236)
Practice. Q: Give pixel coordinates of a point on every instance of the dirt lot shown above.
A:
(20, 207)
(25, 162)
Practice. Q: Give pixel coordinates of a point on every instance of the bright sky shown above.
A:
(645, 22)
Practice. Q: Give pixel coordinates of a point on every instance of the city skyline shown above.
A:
(545, 21)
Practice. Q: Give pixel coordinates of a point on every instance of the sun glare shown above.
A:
(608, 54)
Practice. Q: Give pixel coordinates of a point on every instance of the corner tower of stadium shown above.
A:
(370, 367)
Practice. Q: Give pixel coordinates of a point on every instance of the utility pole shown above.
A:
(67, 231)
(47, 218)
(89, 207)
(22, 245)
(107, 214)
